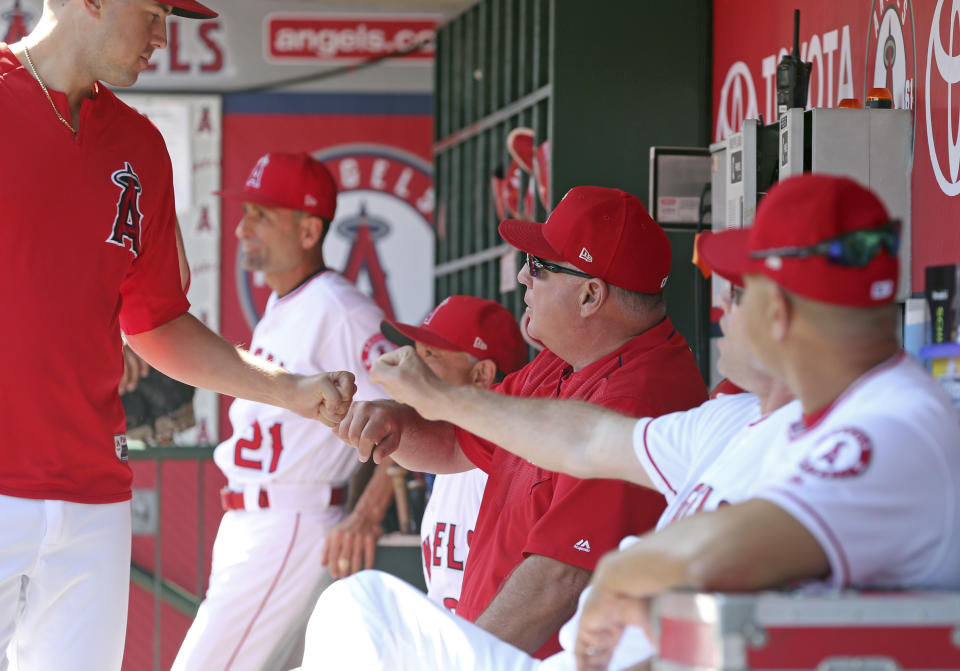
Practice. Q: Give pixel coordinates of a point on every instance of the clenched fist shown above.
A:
(325, 397)
(407, 378)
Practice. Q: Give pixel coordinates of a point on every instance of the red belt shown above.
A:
(231, 500)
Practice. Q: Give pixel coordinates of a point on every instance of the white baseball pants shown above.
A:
(373, 620)
(64, 584)
(264, 581)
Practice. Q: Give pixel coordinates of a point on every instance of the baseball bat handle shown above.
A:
(398, 475)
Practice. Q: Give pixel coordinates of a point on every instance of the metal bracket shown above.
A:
(145, 512)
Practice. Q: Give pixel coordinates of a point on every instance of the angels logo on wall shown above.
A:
(17, 23)
(362, 229)
(891, 55)
(382, 236)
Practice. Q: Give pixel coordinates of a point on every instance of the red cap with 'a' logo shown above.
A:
(798, 213)
(477, 326)
(606, 233)
(291, 181)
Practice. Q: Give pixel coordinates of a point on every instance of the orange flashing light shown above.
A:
(879, 98)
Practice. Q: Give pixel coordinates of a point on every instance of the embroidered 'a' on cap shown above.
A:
(291, 181)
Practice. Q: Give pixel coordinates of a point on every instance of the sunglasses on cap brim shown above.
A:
(855, 249)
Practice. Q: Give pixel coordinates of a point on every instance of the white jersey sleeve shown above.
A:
(877, 483)
(353, 340)
(670, 446)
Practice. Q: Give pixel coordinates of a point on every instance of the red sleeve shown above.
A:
(478, 450)
(588, 518)
(151, 292)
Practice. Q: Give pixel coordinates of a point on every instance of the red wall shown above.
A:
(842, 40)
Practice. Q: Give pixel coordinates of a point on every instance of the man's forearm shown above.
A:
(538, 597)
(574, 437)
(377, 494)
(748, 546)
(566, 436)
(383, 428)
(430, 447)
(186, 350)
(352, 543)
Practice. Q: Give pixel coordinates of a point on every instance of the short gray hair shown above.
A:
(636, 303)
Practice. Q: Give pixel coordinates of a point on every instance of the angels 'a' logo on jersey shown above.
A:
(843, 453)
(374, 348)
(126, 225)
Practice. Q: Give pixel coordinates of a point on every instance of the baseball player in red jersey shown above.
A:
(464, 341)
(286, 475)
(97, 256)
(593, 281)
(826, 480)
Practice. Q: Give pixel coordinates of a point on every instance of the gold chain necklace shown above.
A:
(33, 69)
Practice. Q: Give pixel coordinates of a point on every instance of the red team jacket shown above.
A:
(527, 510)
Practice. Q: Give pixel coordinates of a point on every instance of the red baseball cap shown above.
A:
(477, 326)
(604, 232)
(800, 212)
(191, 9)
(291, 181)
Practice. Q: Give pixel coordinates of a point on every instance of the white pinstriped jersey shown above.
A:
(698, 459)
(876, 480)
(325, 324)
(710, 455)
(445, 533)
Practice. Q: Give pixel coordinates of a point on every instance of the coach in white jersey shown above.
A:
(286, 476)
(856, 485)
(464, 341)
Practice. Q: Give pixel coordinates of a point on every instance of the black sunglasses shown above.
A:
(536, 266)
(855, 249)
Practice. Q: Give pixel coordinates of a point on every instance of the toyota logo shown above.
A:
(948, 68)
(733, 108)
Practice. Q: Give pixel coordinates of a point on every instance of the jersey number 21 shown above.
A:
(255, 444)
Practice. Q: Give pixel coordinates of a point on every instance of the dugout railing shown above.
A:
(175, 508)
